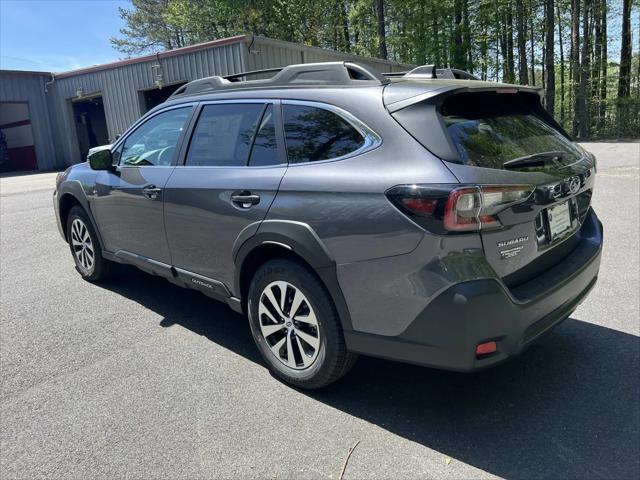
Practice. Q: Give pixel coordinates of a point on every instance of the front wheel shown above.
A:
(296, 327)
(85, 247)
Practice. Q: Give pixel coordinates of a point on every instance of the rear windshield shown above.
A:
(489, 129)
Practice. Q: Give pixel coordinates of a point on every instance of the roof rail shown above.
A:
(236, 76)
(455, 73)
(423, 71)
(306, 74)
(395, 74)
(429, 71)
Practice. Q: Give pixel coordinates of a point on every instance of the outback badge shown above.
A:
(513, 247)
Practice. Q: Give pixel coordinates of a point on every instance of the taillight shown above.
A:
(456, 208)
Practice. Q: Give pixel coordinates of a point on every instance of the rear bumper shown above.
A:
(445, 334)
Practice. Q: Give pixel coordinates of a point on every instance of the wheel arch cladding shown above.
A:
(288, 239)
(66, 203)
(71, 194)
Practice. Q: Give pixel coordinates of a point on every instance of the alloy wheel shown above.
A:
(82, 245)
(289, 325)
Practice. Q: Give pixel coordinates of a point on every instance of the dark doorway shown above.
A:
(17, 146)
(91, 124)
(155, 96)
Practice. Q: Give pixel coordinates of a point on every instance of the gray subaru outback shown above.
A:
(426, 217)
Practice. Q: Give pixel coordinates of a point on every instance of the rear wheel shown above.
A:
(85, 247)
(296, 327)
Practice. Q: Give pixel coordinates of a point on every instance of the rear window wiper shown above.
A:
(535, 160)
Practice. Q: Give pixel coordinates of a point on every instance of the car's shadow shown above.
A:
(567, 408)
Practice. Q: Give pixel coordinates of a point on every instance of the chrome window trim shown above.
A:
(240, 100)
(371, 139)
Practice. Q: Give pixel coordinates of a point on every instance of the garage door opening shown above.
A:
(154, 97)
(17, 149)
(91, 123)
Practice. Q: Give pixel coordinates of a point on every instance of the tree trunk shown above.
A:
(382, 36)
(575, 64)
(532, 43)
(503, 50)
(597, 49)
(550, 57)
(437, 60)
(458, 54)
(596, 66)
(466, 37)
(638, 79)
(497, 25)
(543, 63)
(523, 74)
(562, 79)
(484, 54)
(624, 78)
(604, 64)
(510, 62)
(345, 27)
(585, 72)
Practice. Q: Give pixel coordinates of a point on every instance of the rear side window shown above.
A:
(224, 134)
(314, 134)
(264, 150)
(489, 129)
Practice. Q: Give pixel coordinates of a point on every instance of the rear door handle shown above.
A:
(245, 199)
(151, 191)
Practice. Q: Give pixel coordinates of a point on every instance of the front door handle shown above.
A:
(151, 191)
(245, 199)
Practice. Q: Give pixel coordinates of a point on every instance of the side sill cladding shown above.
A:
(299, 239)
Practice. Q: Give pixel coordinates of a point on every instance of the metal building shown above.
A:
(49, 120)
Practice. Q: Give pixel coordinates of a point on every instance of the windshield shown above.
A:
(490, 129)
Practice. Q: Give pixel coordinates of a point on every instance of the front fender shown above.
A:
(75, 189)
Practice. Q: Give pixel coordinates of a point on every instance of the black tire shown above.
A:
(332, 360)
(100, 268)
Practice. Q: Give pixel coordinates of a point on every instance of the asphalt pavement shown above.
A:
(138, 378)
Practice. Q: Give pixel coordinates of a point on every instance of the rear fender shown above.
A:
(300, 239)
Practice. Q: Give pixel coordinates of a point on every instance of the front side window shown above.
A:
(224, 134)
(155, 141)
(314, 134)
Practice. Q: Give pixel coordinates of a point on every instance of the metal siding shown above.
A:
(278, 53)
(120, 86)
(29, 88)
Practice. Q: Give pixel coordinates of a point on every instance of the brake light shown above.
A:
(421, 205)
(486, 348)
(455, 208)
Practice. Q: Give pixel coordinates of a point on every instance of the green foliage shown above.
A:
(148, 28)
(500, 40)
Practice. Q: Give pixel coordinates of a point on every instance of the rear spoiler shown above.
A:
(398, 96)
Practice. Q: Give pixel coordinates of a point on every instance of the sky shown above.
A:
(56, 36)
(61, 35)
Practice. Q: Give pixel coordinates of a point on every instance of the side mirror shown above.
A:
(101, 160)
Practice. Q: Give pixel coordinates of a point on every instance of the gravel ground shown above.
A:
(139, 378)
